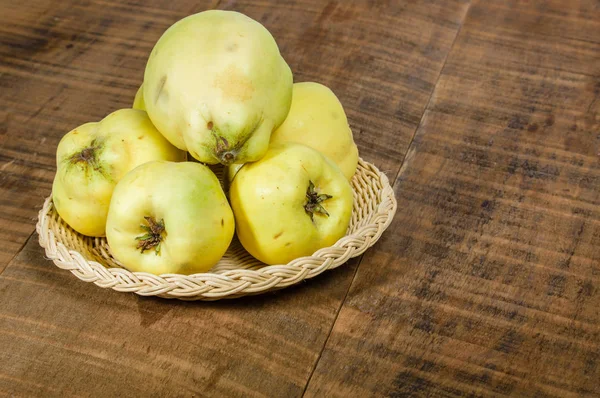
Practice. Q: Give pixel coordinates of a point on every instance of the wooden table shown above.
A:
(484, 114)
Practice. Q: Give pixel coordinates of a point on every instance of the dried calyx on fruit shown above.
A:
(153, 236)
(314, 200)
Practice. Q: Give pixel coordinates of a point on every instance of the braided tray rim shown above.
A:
(89, 259)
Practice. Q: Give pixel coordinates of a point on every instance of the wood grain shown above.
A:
(73, 338)
(68, 63)
(487, 283)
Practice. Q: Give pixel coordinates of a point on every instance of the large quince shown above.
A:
(216, 85)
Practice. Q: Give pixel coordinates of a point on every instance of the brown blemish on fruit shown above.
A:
(234, 84)
(222, 222)
(209, 125)
(277, 235)
(161, 86)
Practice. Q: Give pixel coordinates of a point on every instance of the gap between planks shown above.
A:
(17, 252)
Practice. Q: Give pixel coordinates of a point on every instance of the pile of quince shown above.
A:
(216, 87)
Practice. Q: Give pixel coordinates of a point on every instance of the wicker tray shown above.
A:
(237, 273)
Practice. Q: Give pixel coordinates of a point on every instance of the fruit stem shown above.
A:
(314, 200)
(153, 236)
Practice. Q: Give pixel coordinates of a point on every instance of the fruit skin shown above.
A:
(216, 85)
(138, 101)
(198, 221)
(93, 157)
(317, 119)
(268, 199)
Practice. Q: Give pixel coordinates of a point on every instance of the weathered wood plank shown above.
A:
(61, 337)
(72, 62)
(488, 282)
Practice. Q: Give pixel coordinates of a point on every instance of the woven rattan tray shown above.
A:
(237, 274)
